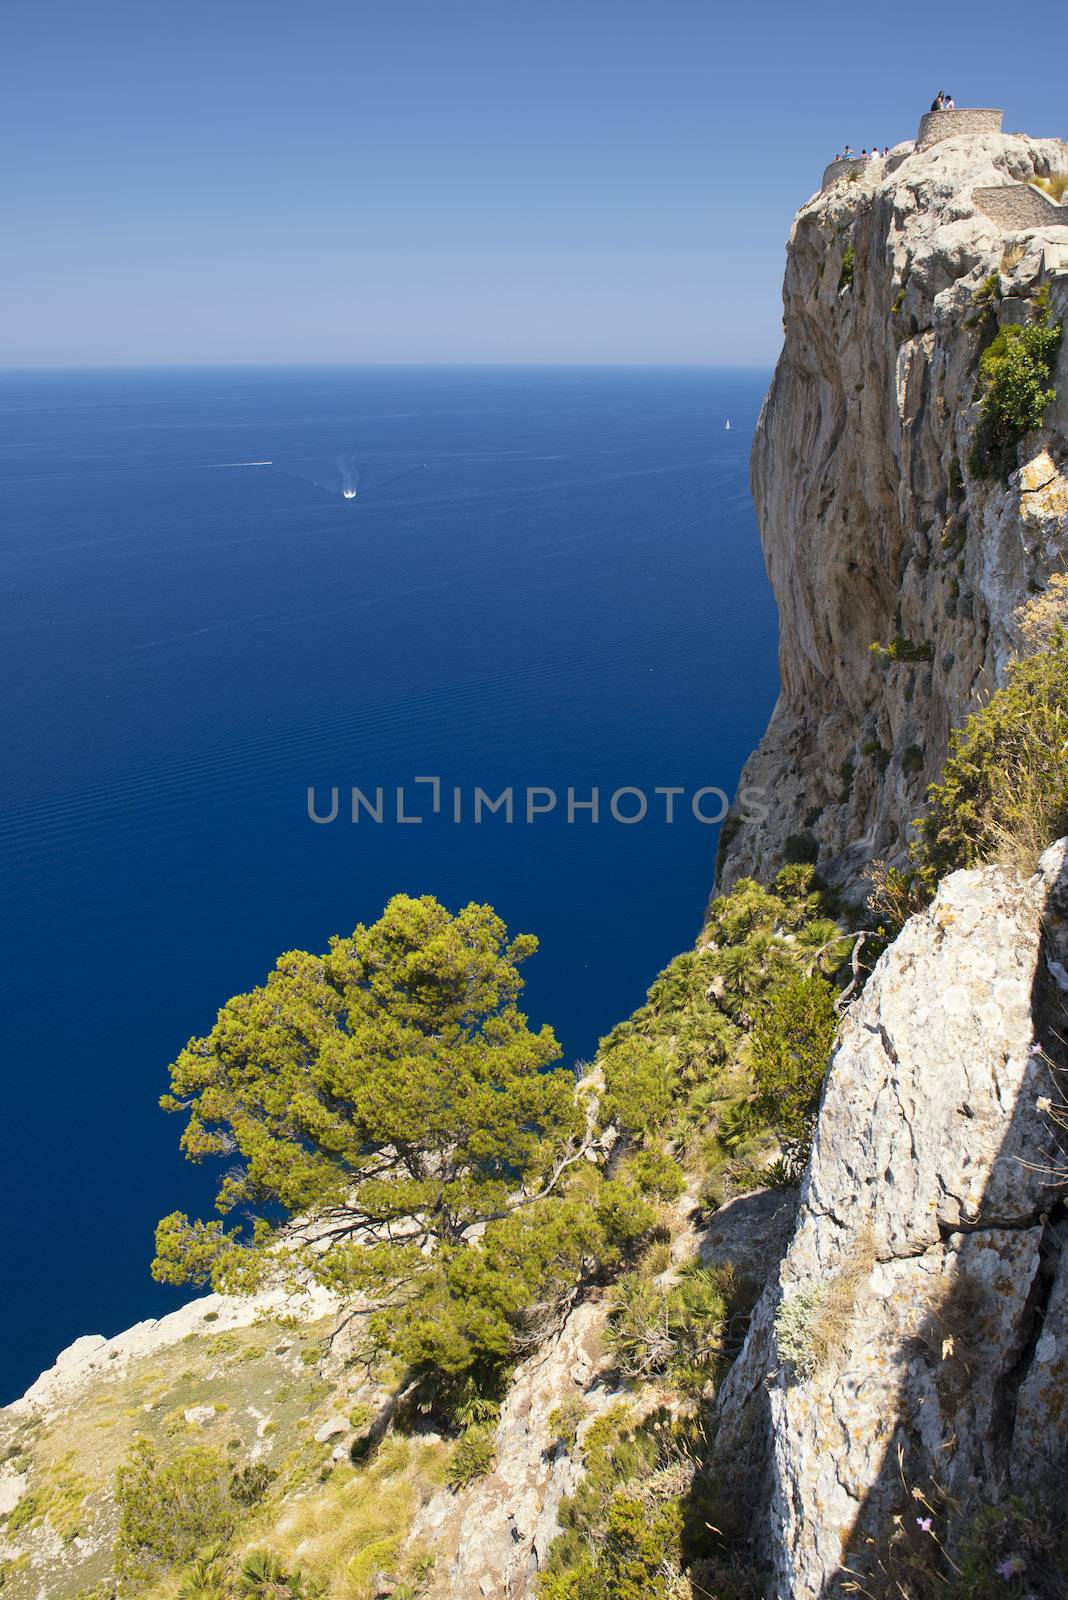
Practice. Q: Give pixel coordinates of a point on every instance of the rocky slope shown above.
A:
(873, 527)
(253, 1381)
(915, 1340)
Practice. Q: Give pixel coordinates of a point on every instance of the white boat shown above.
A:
(728, 424)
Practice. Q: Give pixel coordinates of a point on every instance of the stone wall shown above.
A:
(839, 169)
(1020, 205)
(937, 125)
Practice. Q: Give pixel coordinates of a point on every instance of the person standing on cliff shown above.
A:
(949, 104)
(939, 101)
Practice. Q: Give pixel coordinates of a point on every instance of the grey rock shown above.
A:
(860, 451)
(750, 1233)
(924, 1225)
(331, 1428)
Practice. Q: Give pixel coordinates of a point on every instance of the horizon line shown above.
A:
(418, 366)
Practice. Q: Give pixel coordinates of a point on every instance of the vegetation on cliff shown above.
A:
(392, 1128)
(387, 1115)
(1013, 389)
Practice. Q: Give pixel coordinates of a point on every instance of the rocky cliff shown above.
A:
(875, 531)
(907, 1368)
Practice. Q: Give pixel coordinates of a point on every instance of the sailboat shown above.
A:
(728, 424)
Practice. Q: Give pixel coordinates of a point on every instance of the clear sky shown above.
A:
(449, 180)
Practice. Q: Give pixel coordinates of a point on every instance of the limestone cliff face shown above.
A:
(871, 523)
(916, 1335)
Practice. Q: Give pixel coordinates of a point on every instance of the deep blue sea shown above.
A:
(548, 578)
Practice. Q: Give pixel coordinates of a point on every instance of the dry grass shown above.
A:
(1013, 255)
(239, 1378)
(1055, 185)
(813, 1325)
(833, 1313)
(356, 1524)
(1024, 826)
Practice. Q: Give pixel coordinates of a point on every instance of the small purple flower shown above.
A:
(924, 1523)
(1009, 1567)
(1036, 1049)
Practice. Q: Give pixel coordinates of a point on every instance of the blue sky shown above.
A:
(447, 180)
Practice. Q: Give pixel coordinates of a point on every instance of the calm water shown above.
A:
(570, 592)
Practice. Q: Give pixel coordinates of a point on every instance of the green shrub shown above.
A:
(738, 1121)
(1013, 390)
(260, 1577)
(845, 276)
(902, 649)
(1005, 779)
(473, 1457)
(168, 1510)
(639, 1541)
(812, 1324)
(987, 292)
(985, 299)
(641, 1081)
(912, 759)
(655, 1330)
(249, 1484)
(606, 1550)
(895, 896)
(790, 1047)
(728, 1179)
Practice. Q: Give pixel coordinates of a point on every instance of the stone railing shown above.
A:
(937, 125)
(1016, 206)
(840, 169)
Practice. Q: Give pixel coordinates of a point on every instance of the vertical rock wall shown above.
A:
(873, 528)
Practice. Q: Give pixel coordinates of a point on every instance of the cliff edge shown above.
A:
(875, 529)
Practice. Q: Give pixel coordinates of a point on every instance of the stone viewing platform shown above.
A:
(842, 168)
(939, 125)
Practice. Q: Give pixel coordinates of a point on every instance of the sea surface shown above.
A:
(547, 578)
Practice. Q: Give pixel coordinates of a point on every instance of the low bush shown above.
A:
(895, 895)
(654, 1331)
(1043, 614)
(623, 1531)
(800, 849)
(812, 1324)
(566, 1419)
(790, 1048)
(168, 1510)
(212, 1576)
(473, 1456)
